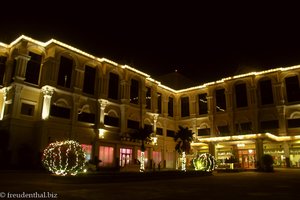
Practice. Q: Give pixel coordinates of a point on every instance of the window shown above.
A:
(185, 107)
(148, 98)
(148, 127)
(267, 125)
(294, 123)
(33, 68)
(86, 117)
(244, 128)
(111, 121)
(113, 88)
(133, 124)
(65, 72)
(220, 100)
(204, 132)
(159, 103)
(170, 107)
(157, 159)
(292, 89)
(27, 109)
(170, 133)
(106, 155)
(241, 95)
(223, 130)
(203, 108)
(2, 69)
(61, 112)
(89, 80)
(266, 92)
(159, 131)
(134, 91)
(125, 156)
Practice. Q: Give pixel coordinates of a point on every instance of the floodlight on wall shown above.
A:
(101, 133)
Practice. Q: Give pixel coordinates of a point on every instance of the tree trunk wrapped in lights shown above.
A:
(142, 134)
(64, 158)
(184, 137)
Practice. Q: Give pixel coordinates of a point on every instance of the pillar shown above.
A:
(259, 146)
(47, 92)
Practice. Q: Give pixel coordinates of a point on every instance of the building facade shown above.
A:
(51, 91)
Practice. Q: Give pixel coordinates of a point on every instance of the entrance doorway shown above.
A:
(247, 158)
(125, 156)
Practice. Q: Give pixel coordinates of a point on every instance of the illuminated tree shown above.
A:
(142, 134)
(64, 158)
(204, 162)
(183, 137)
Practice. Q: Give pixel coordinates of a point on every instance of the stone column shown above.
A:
(47, 92)
(21, 66)
(102, 104)
(259, 146)
(4, 91)
(287, 154)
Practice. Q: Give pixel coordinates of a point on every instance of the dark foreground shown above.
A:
(282, 184)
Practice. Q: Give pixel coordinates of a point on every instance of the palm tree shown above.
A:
(183, 137)
(142, 134)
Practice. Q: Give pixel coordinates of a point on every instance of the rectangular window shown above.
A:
(61, 112)
(113, 88)
(133, 124)
(220, 100)
(203, 108)
(159, 103)
(86, 117)
(185, 107)
(134, 91)
(170, 158)
(148, 127)
(170, 107)
(224, 130)
(244, 128)
(292, 89)
(33, 68)
(156, 155)
(125, 156)
(269, 125)
(65, 72)
(27, 109)
(266, 92)
(148, 98)
(111, 121)
(159, 131)
(106, 156)
(89, 80)
(2, 68)
(170, 133)
(241, 95)
(13, 71)
(204, 132)
(294, 123)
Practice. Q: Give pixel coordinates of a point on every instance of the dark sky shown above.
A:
(205, 42)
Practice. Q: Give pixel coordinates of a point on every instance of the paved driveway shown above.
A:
(282, 184)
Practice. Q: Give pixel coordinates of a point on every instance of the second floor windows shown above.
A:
(65, 72)
(266, 92)
(202, 102)
(241, 95)
(185, 107)
(113, 86)
(159, 103)
(148, 98)
(292, 89)
(220, 100)
(89, 80)
(2, 68)
(33, 68)
(134, 91)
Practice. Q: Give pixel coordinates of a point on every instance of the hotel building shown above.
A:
(51, 91)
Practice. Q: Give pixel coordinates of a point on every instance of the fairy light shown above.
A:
(64, 158)
(204, 162)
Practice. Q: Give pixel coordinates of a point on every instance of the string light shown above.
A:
(64, 158)
(204, 162)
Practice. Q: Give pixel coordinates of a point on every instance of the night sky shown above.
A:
(203, 42)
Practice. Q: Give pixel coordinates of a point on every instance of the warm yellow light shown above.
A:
(101, 133)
